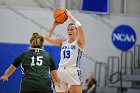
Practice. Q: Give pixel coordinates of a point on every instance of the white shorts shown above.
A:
(68, 76)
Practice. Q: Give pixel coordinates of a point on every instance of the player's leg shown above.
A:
(74, 80)
(76, 89)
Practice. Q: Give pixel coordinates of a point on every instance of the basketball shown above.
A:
(60, 15)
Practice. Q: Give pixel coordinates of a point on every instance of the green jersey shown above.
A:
(36, 65)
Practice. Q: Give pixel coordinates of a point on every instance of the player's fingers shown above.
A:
(58, 84)
(5, 80)
(56, 23)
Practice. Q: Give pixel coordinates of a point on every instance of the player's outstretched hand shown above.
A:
(57, 84)
(3, 78)
(68, 13)
(55, 23)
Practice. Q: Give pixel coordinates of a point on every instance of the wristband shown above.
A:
(77, 24)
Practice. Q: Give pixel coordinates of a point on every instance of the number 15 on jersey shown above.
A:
(38, 62)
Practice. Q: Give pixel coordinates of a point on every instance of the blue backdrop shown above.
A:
(8, 52)
(100, 6)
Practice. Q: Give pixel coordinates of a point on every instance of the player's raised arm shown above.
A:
(53, 40)
(81, 37)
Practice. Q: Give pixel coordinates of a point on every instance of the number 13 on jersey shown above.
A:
(66, 53)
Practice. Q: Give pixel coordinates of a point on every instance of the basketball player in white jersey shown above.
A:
(71, 50)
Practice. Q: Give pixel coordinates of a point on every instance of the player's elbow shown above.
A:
(47, 37)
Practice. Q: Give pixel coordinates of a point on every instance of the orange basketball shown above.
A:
(60, 15)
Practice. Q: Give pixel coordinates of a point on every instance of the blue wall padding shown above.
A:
(8, 52)
(100, 6)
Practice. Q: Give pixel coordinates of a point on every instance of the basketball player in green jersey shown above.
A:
(37, 65)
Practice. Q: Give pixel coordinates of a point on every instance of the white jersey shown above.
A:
(70, 54)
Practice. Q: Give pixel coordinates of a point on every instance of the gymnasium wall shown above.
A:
(18, 24)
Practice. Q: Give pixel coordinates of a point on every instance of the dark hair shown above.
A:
(36, 40)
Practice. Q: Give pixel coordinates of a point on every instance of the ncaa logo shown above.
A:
(124, 37)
